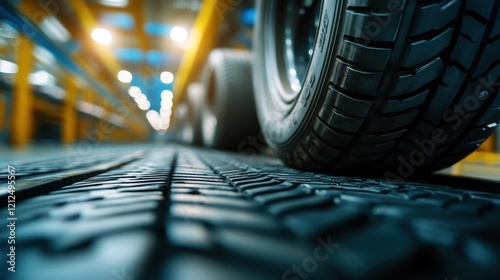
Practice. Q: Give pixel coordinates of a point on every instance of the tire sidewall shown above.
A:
(282, 130)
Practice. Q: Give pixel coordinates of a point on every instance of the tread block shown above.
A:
(347, 105)
(313, 222)
(321, 152)
(378, 6)
(462, 54)
(377, 148)
(365, 160)
(393, 106)
(482, 8)
(372, 27)
(496, 29)
(423, 50)
(385, 123)
(384, 137)
(412, 81)
(330, 136)
(473, 29)
(492, 115)
(367, 57)
(302, 158)
(421, 132)
(442, 98)
(302, 203)
(340, 121)
(490, 57)
(347, 77)
(435, 16)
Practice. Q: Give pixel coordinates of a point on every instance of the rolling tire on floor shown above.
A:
(195, 98)
(392, 86)
(229, 115)
(183, 128)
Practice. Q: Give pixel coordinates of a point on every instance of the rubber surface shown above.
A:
(407, 87)
(175, 212)
(229, 116)
(195, 98)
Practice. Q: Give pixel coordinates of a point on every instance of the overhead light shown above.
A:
(141, 99)
(124, 76)
(167, 95)
(152, 115)
(101, 36)
(134, 91)
(55, 30)
(117, 120)
(164, 112)
(115, 3)
(8, 67)
(41, 78)
(44, 56)
(166, 77)
(167, 104)
(144, 106)
(178, 34)
(154, 119)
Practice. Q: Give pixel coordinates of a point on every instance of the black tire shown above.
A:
(229, 115)
(195, 92)
(401, 87)
(183, 129)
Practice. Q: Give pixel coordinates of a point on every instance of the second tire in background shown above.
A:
(228, 113)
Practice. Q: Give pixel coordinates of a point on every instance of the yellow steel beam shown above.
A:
(139, 132)
(123, 135)
(200, 42)
(22, 107)
(5, 49)
(79, 58)
(32, 10)
(136, 9)
(47, 108)
(487, 158)
(109, 126)
(489, 144)
(70, 117)
(3, 110)
(85, 16)
(89, 23)
(108, 9)
(85, 123)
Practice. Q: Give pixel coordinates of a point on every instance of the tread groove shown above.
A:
(369, 43)
(427, 36)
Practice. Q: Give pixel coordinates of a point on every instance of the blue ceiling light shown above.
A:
(248, 16)
(118, 20)
(157, 58)
(128, 54)
(73, 46)
(158, 29)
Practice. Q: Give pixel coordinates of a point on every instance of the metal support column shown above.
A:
(70, 118)
(22, 105)
(3, 110)
(201, 40)
(86, 123)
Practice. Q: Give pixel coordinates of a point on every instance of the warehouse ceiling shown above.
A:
(128, 49)
(123, 43)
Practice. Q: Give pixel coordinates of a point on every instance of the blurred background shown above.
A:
(117, 71)
(106, 70)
